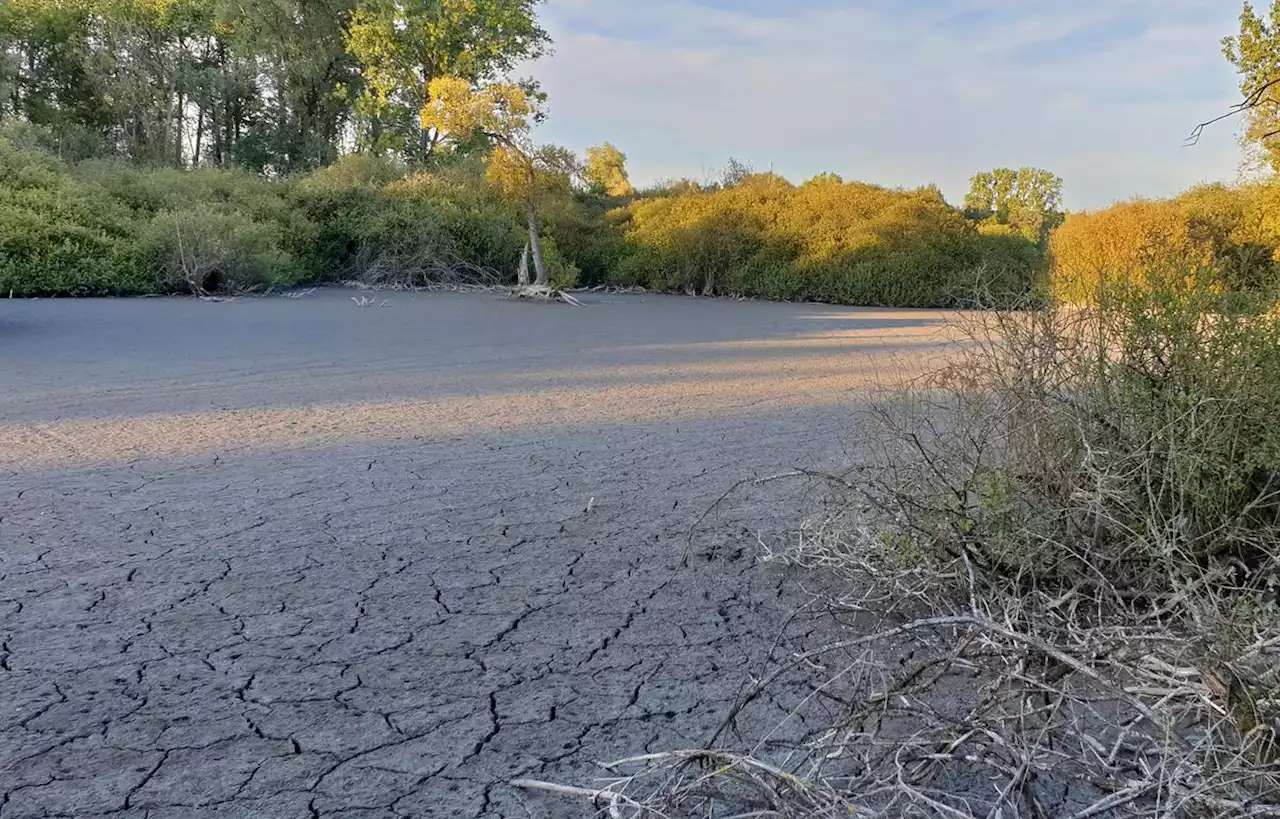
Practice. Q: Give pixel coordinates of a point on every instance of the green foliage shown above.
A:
(205, 248)
(825, 240)
(61, 236)
(420, 230)
(1255, 53)
(588, 230)
(403, 46)
(562, 273)
(274, 86)
(359, 171)
(1029, 200)
(265, 239)
(103, 226)
(1134, 440)
(107, 228)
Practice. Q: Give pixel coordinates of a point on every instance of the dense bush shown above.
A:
(1234, 231)
(112, 229)
(377, 226)
(588, 230)
(59, 235)
(106, 227)
(825, 240)
(206, 249)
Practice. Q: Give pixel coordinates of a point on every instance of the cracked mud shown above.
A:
(295, 558)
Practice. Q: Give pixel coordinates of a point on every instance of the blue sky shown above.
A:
(904, 93)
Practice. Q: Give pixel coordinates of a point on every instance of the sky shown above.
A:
(901, 93)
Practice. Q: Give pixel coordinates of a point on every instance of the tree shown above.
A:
(403, 45)
(503, 113)
(1028, 199)
(300, 50)
(606, 171)
(1255, 53)
(273, 85)
(735, 170)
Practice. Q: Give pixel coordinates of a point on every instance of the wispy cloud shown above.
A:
(1100, 91)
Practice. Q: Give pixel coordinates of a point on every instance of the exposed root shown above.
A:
(541, 292)
(973, 717)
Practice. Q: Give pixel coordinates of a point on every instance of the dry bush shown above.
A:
(409, 266)
(1060, 563)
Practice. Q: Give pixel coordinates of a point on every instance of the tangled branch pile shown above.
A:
(1061, 565)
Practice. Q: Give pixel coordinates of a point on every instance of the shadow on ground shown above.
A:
(395, 614)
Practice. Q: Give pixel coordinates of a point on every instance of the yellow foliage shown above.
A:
(824, 240)
(607, 170)
(1232, 232)
(1123, 243)
(454, 108)
(509, 171)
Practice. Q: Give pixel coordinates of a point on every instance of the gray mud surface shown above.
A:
(298, 558)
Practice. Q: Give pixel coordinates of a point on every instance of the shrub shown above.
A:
(416, 231)
(237, 198)
(61, 236)
(1232, 230)
(588, 229)
(359, 171)
(561, 272)
(1121, 244)
(205, 249)
(825, 240)
(1240, 228)
(1070, 540)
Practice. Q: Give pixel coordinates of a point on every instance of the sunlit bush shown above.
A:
(825, 240)
(1233, 231)
(1121, 244)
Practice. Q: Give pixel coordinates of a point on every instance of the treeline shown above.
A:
(199, 145)
(273, 86)
(104, 226)
(176, 145)
(824, 240)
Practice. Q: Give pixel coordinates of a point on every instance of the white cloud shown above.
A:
(1100, 91)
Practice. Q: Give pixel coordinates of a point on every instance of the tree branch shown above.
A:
(1252, 100)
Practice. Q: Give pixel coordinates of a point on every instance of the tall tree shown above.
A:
(503, 113)
(1027, 199)
(1255, 52)
(272, 85)
(606, 171)
(47, 49)
(402, 45)
(306, 77)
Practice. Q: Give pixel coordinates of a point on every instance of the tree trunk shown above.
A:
(522, 275)
(179, 128)
(195, 159)
(536, 244)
